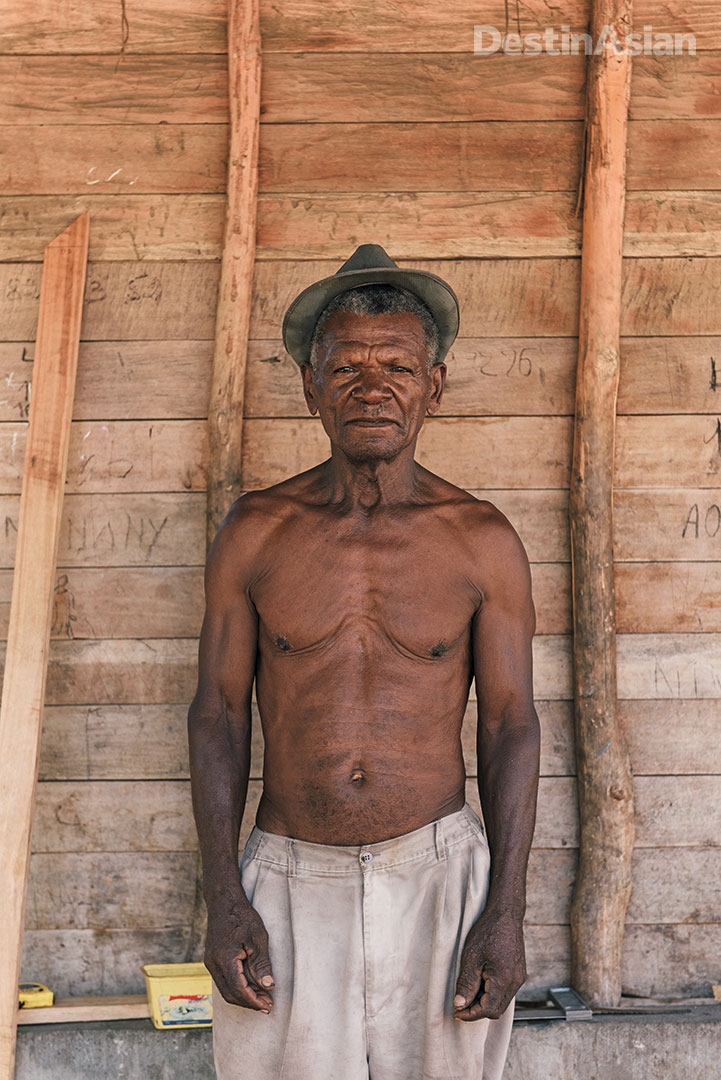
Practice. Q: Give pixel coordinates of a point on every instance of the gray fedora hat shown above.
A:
(369, 264)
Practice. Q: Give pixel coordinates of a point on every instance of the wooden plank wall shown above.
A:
(378, 125)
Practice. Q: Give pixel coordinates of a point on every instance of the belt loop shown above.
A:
(440, 840)
(292, 859)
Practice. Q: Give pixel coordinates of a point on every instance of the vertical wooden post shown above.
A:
(603, 884)
(46, 456)
(225, 420)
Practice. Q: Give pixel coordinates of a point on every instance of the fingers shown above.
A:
(239, 985)
(259, 962)
(491, 1004)
(468, 983)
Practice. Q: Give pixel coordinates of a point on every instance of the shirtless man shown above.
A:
(372, 929)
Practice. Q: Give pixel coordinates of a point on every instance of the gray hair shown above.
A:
(379, 299)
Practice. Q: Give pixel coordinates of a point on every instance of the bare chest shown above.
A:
(365, 596)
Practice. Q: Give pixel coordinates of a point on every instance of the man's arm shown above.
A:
(219, 730)
(493, 966)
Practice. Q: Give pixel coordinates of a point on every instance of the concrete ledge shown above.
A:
(660, 1046)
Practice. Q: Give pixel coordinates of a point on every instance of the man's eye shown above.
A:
(346, 367)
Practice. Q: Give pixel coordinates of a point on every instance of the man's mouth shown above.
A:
(366, 422)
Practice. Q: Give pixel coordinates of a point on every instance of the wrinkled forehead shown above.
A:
(347, 331)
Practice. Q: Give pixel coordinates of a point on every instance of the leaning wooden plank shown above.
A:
(227, 388)
(605, 791)
(76, 1009)
(61, 306)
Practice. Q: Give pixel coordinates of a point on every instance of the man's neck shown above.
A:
(367, 485)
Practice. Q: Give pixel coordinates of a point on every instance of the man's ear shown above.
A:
(438, 379)
(306, 372)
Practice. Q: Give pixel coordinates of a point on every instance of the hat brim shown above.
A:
(436, 294)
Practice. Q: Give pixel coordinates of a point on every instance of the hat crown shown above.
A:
(368, 257)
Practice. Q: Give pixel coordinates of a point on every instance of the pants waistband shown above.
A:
(429, 841)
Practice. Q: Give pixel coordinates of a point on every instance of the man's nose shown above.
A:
(371, 386)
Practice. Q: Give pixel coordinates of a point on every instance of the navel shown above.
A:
(357, 776)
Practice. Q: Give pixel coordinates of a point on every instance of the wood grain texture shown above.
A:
(327, 87)
(414, 225)
(136, 301)
(167, 455)
(118, 380)
(69, 159)
(129, 602)
(230, 352)
(125, 226)
(25, 669)
(120, 530)
(156, 26)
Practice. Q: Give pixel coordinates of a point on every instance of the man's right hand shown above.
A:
(236, 954)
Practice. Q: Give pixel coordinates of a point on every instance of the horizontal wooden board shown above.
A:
(668, 597)
(412, 225)
(82, 816)
(134, 301)
(120, 530)
(122, 890)
(74, 158)
(125, 226)
(122, 671)
(149, 742)
(119, 380)
(484, 156)
(427, 157)
(165, 26)
(79, 962)
(90, 1007)
(331, 87)
(165, 455)
(503, 376)
(679, 885)
(669, 665)
(671, 961)
(325, 87)
(163, 602)
(120, 89)
(119, 742)
(651, 451)
(664, 524)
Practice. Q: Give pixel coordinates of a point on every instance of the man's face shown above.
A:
(371, 386)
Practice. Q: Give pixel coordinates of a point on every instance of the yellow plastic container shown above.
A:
(179, 995)
(35, 996)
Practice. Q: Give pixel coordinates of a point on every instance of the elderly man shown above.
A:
(372, 928)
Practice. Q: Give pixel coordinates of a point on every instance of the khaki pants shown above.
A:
(365, 944)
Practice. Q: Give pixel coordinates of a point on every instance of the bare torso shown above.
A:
(364, 661)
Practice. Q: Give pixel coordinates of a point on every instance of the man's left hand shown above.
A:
(493, 967)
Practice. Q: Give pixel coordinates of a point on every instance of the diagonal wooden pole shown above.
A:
(605, 792)
(46, 456)
(227, 392)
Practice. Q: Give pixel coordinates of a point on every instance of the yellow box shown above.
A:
(179, 995)
(35, 996)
